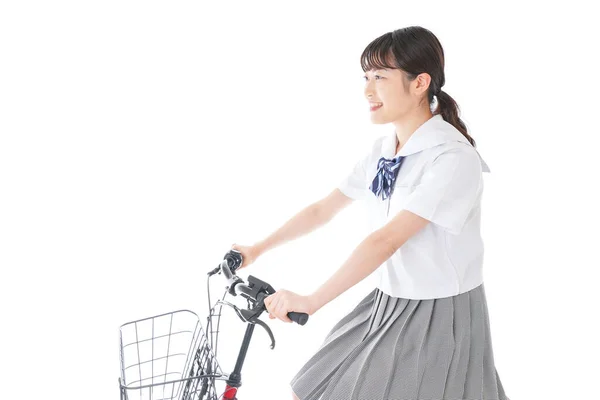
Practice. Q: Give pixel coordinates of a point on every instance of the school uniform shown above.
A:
(423, 332)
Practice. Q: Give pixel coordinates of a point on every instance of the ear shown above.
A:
(421, 83)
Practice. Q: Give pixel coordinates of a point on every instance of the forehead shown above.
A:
(387, 72)
(379, 70)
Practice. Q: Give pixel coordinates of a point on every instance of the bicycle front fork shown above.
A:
(235, 378)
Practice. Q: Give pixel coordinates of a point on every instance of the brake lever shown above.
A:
(251, 317)
(264, 325)
(236, 308)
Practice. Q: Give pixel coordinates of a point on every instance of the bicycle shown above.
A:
(195, 377)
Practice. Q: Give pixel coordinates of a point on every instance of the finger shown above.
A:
(282, 310)
(273, 306)
(269, 301)
(285, 318)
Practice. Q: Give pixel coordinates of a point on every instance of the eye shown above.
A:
(376, 76)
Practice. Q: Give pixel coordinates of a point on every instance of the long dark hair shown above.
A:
(415, 50)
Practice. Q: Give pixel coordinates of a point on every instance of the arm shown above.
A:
(445, 196)
(306, 221)
(368, 256)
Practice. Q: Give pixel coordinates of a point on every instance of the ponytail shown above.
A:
(449, 109)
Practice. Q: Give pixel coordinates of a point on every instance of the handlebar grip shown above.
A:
(234, 259)
(298, 317)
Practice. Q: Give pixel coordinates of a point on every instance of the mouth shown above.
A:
(375, 106)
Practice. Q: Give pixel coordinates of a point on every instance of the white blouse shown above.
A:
(441, 180)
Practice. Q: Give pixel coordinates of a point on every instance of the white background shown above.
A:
(140, 139)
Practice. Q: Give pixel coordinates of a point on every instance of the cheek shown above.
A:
(397, 103)
(393, 96)
(387, 97)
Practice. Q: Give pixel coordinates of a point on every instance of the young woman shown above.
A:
(423, 332)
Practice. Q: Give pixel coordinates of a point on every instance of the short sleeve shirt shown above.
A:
(441, 180)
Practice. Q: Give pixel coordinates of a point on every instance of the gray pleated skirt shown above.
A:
(391, 348)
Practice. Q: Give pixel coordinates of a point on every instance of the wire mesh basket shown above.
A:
(167, 357)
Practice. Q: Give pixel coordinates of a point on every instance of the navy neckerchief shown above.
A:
(387, 171)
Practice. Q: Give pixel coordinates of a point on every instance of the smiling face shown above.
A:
(389, 88)
(399, 97)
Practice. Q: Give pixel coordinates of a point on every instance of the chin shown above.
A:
(378, 120)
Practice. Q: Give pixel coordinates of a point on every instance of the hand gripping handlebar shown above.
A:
(255, 291)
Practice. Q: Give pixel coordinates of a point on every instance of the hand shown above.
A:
(249, 254)
(283, 301)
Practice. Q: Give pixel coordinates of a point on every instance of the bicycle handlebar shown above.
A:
(256, 291)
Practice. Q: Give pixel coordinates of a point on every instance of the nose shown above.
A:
(368, 90)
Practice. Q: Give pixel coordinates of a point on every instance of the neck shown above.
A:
(407, 126)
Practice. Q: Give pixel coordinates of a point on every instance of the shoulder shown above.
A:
(452, 165)
(455, 143)
(455, 153)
